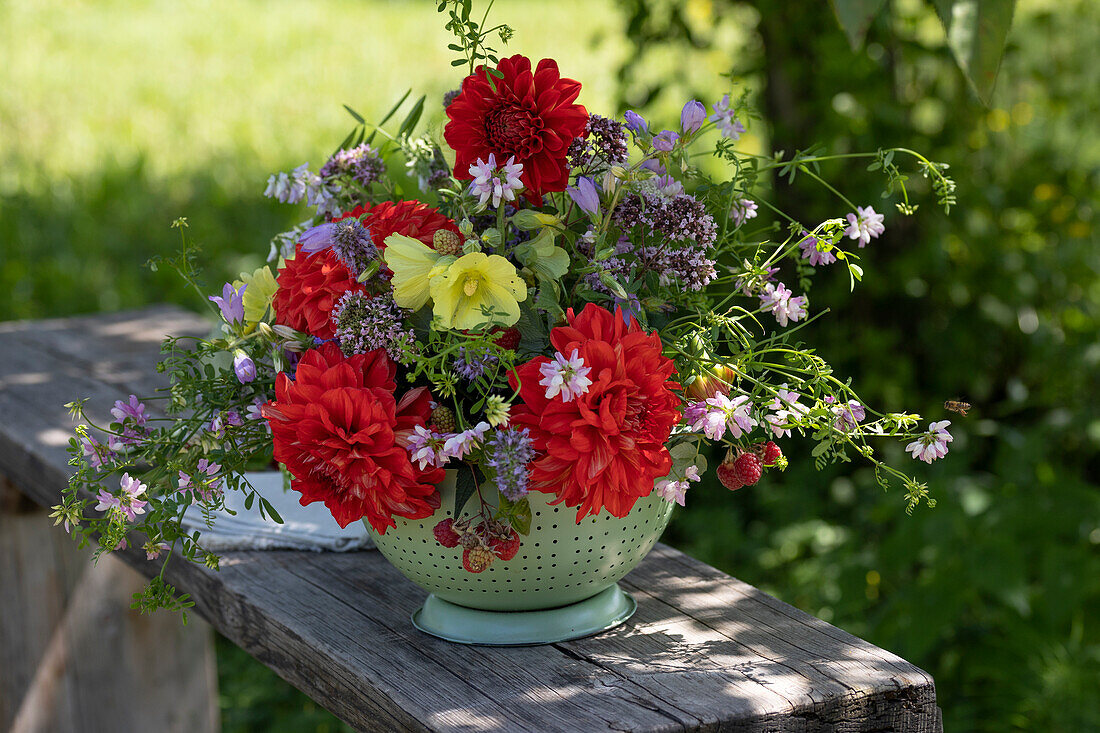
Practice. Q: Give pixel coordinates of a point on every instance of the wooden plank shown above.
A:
(704, 652)
(74, 657)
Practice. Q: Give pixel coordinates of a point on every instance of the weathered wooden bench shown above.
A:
(704, 652)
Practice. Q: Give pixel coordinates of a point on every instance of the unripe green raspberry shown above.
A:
(443, 420)
(477, 559)
(446, 242)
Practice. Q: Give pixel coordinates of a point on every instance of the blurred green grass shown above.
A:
(118, 117)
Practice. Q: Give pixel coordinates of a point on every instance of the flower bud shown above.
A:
(585, 195)
(665, 141)
(529, 220)
(244, 367)
(709, 381)
(635, 122)
(692, 116)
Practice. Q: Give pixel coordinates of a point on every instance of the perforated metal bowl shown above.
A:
(560, 562)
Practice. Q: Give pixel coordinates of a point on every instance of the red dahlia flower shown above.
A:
(529, 115)
(309, 288)
(411, 218)
(606, 447)
(341, 433)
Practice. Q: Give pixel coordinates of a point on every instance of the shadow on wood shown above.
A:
(704, 652)
(74, 656)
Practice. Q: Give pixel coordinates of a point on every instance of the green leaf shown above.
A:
(976, 33)
(355, 115)
(521, 517)
(531, 331)
(465, 485)
(855, 18)
(393, 110)
(517, 513)
(391, 113)
(345, 143)
(616, 288)
(548, 261)
(855, 272)
(412, 118)
(270, 510)
(546, 298)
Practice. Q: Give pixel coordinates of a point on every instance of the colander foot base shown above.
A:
(605, 610)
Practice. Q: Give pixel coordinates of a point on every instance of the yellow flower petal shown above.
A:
(473, 281)
(258, 295)
(414, 265)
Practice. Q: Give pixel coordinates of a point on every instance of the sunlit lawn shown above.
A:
(118, 117)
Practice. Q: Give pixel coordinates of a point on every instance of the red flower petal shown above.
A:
(531, 116)
(605, 448)
(309, 288)
(336, 429)
(411, 218)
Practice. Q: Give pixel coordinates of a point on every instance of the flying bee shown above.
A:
(957, 406)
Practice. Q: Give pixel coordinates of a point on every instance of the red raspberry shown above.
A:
(747, 468)
(476, 559)
(445, 533)
(506, 549)
(728, 476)
(508, 338)
(772, 454)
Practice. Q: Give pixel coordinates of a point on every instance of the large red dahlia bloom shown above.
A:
(411, 218)
(530, 115)
(340, 432)
(605, 448)
(309, 288)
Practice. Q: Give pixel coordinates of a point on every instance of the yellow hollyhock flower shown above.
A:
(473, 281)
(258, 295)
(415, 265)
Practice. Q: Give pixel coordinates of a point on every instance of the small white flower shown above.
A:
(864, 225)
(933, 444)
(787, 410)
(724, 119)
(671, 491)
(493, 183)
(743, 210)
(785, 308)
(720, 413)
(569, 377)
(459, 444)
(427, 448)
(278, 187)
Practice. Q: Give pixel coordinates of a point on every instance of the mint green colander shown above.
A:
(560, 565)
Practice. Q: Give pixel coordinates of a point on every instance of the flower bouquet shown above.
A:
(508, 351)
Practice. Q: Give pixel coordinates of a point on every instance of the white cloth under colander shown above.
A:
(304, 527)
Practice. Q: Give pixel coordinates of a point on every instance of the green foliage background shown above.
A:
(117, 117)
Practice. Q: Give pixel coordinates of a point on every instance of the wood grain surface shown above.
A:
(704, 652)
